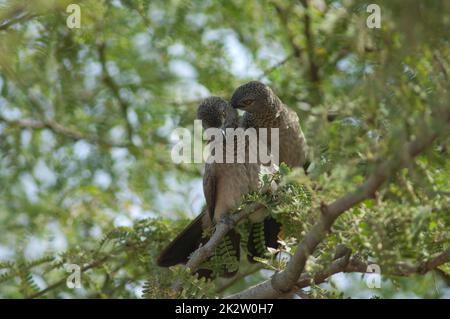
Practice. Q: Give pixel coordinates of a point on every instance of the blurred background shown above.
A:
(87, 117)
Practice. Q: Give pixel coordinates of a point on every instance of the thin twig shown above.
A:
(282, 14)
(310, 51)
(62, 281)
(5, 25)
(275, 66)
(355, 264)
(59, 129)
(222, 228)
(115, 90)
(239, 277)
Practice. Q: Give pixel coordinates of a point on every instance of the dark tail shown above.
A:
(262, 235)
(178, 251)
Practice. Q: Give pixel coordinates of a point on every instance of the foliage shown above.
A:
(86, 117)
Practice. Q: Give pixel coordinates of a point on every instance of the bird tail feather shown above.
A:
(179, 249)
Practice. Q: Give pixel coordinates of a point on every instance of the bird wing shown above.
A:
(209, 189)
(185, 243)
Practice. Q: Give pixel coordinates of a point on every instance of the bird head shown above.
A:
(252, 97)
(216, 112)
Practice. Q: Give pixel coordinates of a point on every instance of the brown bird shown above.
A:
(224, 185)
(263, 109)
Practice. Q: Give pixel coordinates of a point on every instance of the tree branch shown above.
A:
(354, 264)
(285, 280)
(59, 129)
(282, 14)
(222, 228)
(275, 66)
(435, 262)
(238, 277)
(115, 90)
(62, 281)
(310, 47)
(17, 19)
(313, 68)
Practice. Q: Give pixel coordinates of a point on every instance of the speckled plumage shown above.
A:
(215, 112)
(224, 184)
(267, 111)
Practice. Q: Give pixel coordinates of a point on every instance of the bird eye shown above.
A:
(247, 102)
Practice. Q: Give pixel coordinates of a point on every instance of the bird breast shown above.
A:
(234, 182)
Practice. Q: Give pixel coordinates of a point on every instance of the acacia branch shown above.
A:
(313, 68)
(5, 25)
(59, 129)
(310, 47)
(239, 277)
(96, 263)
(62, 281)
(275, 66)
(222, 228)
(354, 264)
(435, 262)
(115, 90)
(283, 282)
(184, 103)
(282, 14)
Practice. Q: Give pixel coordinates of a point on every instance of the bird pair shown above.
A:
(225, 184)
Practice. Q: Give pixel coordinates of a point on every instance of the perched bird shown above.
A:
(263, 109)
(224, 185)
